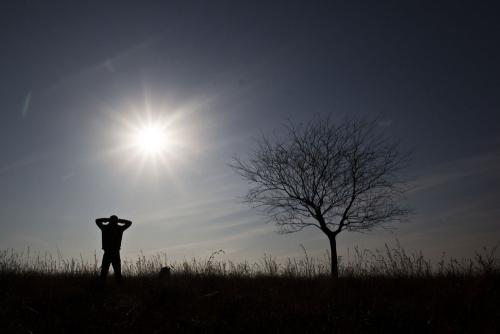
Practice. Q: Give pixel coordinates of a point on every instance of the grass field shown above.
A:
(379, 291)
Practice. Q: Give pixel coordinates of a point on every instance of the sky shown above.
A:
(77, 78)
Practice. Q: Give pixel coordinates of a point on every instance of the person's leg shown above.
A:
(117, 266)
(106, 261)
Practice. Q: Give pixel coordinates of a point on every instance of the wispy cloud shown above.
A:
(445, 173)
(385, 122)
(28, 161)
(26, 105)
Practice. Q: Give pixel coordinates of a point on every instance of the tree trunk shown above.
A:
(333, 252)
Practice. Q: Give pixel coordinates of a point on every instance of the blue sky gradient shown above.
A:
(224, 73)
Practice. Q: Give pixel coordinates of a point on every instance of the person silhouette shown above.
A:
(112, 230)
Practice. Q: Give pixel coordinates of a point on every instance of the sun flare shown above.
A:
(154, 139)
(151, 139)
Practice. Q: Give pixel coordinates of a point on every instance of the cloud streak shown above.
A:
(449, 172)
(25, 162)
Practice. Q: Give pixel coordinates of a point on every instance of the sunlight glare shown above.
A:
(151, 139)
(154, 139)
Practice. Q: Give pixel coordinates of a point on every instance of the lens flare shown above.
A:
(151, 139)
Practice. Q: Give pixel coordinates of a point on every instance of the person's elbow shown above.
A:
(100, 221)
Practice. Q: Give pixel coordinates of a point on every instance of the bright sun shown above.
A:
(151, 139)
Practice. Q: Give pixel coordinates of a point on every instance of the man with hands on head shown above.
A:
(112, 231)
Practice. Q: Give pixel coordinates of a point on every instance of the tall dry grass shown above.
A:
(391, 261)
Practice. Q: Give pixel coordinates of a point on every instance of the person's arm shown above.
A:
(126, 223)
(100, 222)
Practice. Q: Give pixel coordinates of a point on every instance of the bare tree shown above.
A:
(334, 177)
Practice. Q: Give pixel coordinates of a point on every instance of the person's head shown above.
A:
(113, 220)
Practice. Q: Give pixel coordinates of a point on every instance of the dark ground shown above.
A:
(78, 304)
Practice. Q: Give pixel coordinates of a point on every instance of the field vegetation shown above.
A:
(386, 290)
